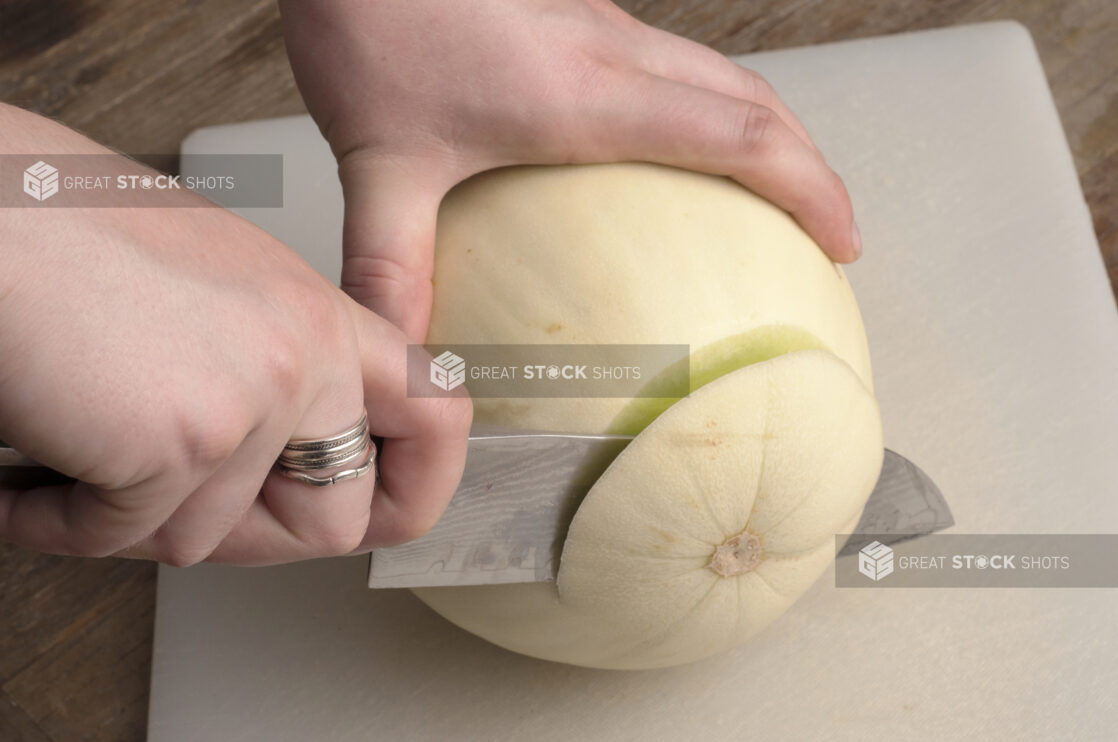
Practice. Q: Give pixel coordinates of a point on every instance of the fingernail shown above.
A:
(856, 239)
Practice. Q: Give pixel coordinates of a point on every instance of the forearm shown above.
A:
(36, 238)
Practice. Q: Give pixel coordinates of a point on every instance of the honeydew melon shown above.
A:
(722, 511)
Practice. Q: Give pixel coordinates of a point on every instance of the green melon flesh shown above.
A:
(706, 364)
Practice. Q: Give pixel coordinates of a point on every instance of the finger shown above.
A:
(678, 124)
(683, 60)
(80, 519)
(391, 206)
(205, 518)
(424, 451)
(420, 463)
(292, 520)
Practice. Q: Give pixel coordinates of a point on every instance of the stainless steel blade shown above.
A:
(502, 527)
(904, 504)
(508, 519)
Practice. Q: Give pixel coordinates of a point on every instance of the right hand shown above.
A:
(415, 96)
(163, 357)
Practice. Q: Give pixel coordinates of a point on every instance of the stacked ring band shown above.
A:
(300, 457)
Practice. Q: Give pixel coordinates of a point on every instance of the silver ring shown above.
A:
(299, 457)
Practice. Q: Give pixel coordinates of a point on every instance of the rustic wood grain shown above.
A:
(75, 635)
(92, 683)
(75, 646)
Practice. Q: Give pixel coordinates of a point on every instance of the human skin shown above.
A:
(415, 96)
(105, 378)
(164, 356)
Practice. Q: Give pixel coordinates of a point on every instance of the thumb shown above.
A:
(388, 241)
(423, 451)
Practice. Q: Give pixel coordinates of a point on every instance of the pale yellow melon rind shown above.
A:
(628, 253)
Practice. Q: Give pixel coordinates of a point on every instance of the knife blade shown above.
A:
(508, 519)
(507, 524)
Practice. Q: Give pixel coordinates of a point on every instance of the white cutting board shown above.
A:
(995, 342)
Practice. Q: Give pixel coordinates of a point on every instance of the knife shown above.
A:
(508, 518)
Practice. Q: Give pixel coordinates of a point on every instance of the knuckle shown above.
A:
(757, 129)
(589, 75)
(757, 88)
(180, 555)
(373, 279)
(207, 440)
(177, 549)
(338, 537)
(284, 365)
(318, 322)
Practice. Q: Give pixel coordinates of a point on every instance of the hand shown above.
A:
(165, 356)
(417, 95)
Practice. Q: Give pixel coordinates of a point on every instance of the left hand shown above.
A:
(415, 96)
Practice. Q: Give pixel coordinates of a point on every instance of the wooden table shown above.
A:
(75, 635)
